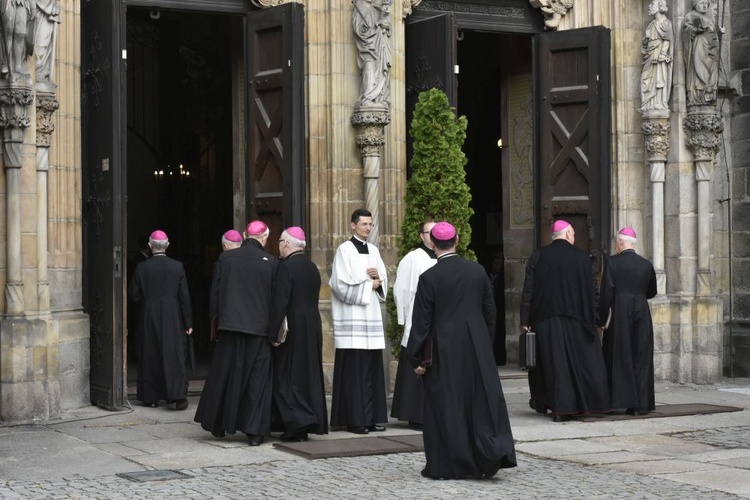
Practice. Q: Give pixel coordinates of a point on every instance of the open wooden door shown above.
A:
(103, 190)
(276, 117)
(572, 92)
(431, 58)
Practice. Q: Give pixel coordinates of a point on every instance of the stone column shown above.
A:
(46, 105)
(705, 126)
(371, 24)
(370, 122)
(14, 121)
(656, 128)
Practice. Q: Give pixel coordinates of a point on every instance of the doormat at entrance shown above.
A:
(679, 410)
(354, 447)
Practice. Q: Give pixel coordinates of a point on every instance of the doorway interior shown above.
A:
(487, 62)
(180, 152)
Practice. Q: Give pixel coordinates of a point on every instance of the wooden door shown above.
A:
(431, 58)
(103, 189)
(276, 111)
(573, 135)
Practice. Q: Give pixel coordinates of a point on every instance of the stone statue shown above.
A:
(701, 47)
(47, 17)
(17, 38)
(553, 11)
(372, 29)
(656, 53)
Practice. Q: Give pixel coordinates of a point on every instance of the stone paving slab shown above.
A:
(562, 447)
(611, 457)
(739, 463)
(109, 434)
(668, 466)
(728, 479)
(654, 445)
(216, 457)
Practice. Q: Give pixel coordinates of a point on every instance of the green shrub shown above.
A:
(437, 187)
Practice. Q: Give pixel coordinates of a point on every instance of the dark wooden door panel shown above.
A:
(276, 140)
(573, 135)
(102, 192)
(431, 55)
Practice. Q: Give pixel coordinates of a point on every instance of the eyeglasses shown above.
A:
(425, 232)
(282, 241)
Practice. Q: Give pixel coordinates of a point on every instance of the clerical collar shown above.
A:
(429, 251)
(159, 253)
(628, 250)
(360, 245)
(446, 255)
(298, 252)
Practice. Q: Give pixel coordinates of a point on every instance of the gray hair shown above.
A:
(626, 239)
(158, 245)
(230, 244)
(293, 241)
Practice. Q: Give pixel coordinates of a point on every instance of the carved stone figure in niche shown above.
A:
(553, 11)
(17, 38)
(701, 47)
(657, 50)
(372, 29)
(47, 17)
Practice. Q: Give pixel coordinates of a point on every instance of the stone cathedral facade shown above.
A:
(675, 106)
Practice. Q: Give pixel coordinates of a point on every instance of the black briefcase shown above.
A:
(527, 350)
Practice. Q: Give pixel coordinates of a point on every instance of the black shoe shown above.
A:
(299, 437)
(181, 404)
(358, 430)
(561, 418)
(150, 405)
(415, 426)
(633, 412)
(376, 428)
(218, 434)
(254, 440)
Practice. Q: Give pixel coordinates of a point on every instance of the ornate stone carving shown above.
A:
(656, 55)
(656, 131)
(701, 49)
(370, 124)
(14, 119)
(264, 4)
(469, 8)
(46, 17)
(521, 146)
(46, 105)
(372, 34)
(407, 6)
(553, 11)
(17, 40)
(705, 127)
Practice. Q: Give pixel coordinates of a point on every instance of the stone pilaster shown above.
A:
(46, 105)
(705, 126)
(370, 122)
(656, 128)
(14, 120)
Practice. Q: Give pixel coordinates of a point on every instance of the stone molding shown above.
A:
(265, 4)
(656, 131)
(370, 125)
(705, 128)
(46, 105)
(14, 120)
(553, 11)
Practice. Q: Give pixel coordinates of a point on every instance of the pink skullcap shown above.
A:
(443, 231)
(559, 225)
(233, 236)
(627, 231)
(296, 232)
(256, 228)
(159, 235)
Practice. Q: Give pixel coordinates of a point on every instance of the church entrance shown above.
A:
(180, 153)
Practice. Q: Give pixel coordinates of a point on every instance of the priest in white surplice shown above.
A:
(358, 285)
(408, 395)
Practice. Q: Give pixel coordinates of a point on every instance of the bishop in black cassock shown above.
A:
(466, 428)
(299, 399)
(558, 303)
(159, 290)
(629, 280)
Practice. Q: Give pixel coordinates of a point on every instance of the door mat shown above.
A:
(354, 447)
(679, 410)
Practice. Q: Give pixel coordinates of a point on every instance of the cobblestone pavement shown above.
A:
(384, 476)
(727, 437)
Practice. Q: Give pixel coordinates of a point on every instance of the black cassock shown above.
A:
(629, 280)
(466, 428)
(559, 304)
(237, 392)
(299, 402)
(159, 289)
